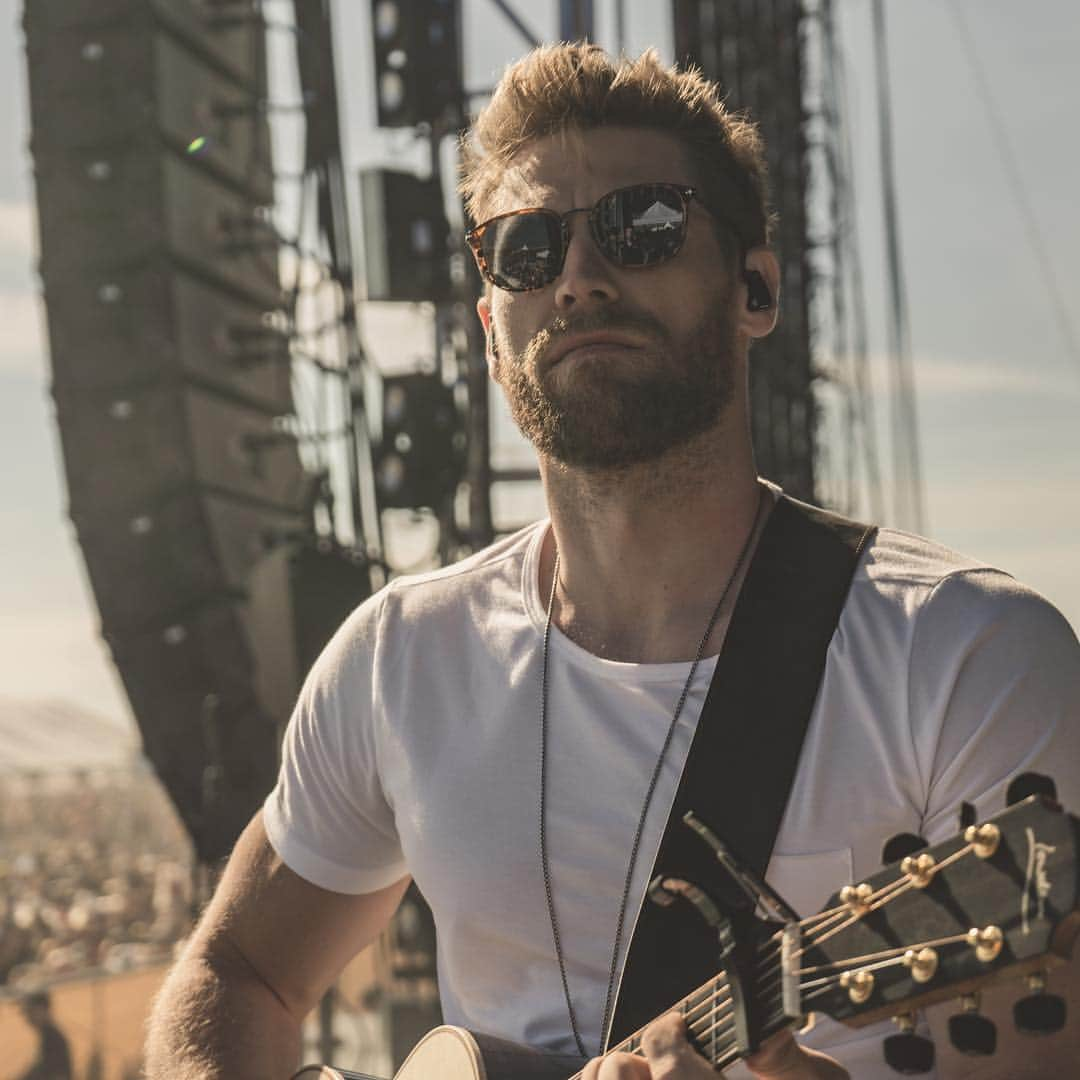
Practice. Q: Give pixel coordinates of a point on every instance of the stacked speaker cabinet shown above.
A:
(754, 50)
(170, 365)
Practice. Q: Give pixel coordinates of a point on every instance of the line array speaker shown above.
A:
(755, 51)
(170, 367)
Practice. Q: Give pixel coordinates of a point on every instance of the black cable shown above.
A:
(1016, 181)
(849, 237)
(518, 24)
(906, 458)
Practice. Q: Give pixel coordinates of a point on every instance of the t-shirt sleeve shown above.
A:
(994, 691)
(328, 817)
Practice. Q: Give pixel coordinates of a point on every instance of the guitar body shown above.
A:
(452, 1053)
(1000, 901)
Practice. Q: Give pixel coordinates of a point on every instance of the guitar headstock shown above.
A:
(997, 902)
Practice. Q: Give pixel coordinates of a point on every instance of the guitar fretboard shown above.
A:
(708, 1015)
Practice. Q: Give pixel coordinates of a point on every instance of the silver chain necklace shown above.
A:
(648, 794)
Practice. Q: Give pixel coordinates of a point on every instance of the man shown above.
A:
(53, 1061)
(543, 693)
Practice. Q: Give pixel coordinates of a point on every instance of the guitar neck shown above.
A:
(709, 1015)
(1001, 900)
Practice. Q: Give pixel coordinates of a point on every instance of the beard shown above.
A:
(610, 414)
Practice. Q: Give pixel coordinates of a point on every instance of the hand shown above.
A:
(782, 1058)
(668, 1056)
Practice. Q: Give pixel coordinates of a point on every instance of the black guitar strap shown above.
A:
(741, 765)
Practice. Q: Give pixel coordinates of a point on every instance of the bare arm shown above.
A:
(265, 951)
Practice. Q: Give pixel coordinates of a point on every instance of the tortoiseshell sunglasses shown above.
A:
(634, 227)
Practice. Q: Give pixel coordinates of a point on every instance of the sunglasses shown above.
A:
(638, 226)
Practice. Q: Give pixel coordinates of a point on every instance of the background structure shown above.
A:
(998, 384)
(985, 188)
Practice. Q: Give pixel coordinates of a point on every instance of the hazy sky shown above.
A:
(998, 387)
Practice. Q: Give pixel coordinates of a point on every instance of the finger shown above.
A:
(782, 1058)
(616, 1067)
(669, 1053)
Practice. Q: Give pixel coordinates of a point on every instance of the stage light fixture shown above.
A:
(406, 237)
(417, 53)
(420, 459)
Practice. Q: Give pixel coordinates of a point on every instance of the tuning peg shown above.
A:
(1030, 783)
(907, 1052)
(971, 1033)
(1039, 1013)
(967, 815)
(900, 845)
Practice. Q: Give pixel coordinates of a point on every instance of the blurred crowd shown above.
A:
(95, 874)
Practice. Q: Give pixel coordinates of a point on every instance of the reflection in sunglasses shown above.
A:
(637, 226)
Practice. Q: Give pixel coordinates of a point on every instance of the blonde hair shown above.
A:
(578, 86)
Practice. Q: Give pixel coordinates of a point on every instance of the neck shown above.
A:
(645, 554)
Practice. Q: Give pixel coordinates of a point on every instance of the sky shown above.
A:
(988, 250)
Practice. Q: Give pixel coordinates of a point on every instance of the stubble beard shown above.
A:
(611, 414)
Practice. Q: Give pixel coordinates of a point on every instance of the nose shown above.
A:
(587, 278)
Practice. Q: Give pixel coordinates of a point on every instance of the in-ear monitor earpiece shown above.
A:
(758, 297)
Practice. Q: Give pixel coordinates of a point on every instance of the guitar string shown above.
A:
(720, 999)
(726, 1057)
(823, 985)
(719, 1002)
(818, 987)
(627, 1045)
(702, 1032)
(866, 962)
(869, 958)
(842, 917)
(699, 1026)
(877, 900)
(886, 894)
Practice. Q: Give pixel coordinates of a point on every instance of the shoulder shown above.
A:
(938, 616)
(987, 670)
(474, 579)
(901, 560)
(937, 593)
(428, 605)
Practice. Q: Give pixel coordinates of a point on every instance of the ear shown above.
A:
(759, 324)
(483, 309)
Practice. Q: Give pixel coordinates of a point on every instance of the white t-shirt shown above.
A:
(414, 749)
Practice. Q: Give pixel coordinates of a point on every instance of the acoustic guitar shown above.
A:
(997, 902)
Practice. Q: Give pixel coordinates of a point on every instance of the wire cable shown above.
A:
(1008, 157)
(847, 227)
(907, 481)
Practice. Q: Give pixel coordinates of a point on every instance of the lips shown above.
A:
(585, 341)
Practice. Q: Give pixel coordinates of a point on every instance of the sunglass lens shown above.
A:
(523, 251)
(641, 225)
